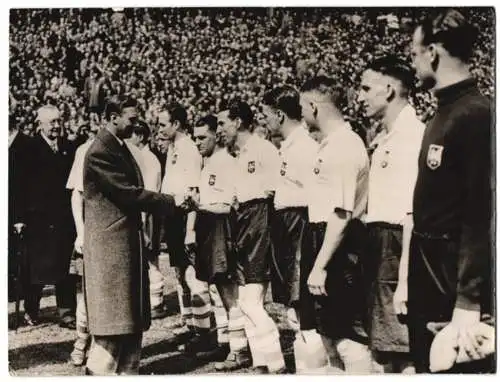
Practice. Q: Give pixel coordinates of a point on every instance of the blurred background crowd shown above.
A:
(202, 58)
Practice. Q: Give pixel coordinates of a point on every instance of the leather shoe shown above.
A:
(68, 322)
(158, 313)
(31, 320)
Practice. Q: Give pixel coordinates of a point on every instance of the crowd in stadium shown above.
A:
(340, 156)
(76, 58)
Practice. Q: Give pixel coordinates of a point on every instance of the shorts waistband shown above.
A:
(435, 235)
(253, 202)
(391, 226)
(286, 209)
(317, 225)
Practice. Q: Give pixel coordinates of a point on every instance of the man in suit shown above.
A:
(18, 177)
(51, 231)
(116, 272)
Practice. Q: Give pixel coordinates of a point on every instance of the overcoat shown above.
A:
(50, 231)
(19, 153)
(116, 278)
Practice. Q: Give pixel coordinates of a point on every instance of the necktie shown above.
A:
(53, 146)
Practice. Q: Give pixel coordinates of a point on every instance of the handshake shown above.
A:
(191, 200)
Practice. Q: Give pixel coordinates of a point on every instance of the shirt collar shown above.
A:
(297, 132)
(330, 137)
(406, 114)
(451, 93)
(49, 142)
(252, 139)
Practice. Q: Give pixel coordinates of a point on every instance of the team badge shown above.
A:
(211, 180)
(283, 169)
(316, 169)
(251, 167)
(434, 156)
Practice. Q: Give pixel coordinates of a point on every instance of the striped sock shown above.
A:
(185, 305)
(221, 319)
(202, 311)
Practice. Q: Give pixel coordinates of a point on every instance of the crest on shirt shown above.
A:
(251, 167)
(316, 168)
(211, 179)
(283, 169)
(434, 156)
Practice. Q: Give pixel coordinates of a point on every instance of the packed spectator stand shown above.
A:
(202, 58)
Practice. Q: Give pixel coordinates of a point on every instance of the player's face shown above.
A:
(308, 108)
(271, 118)
(227, 128)
(50, 123)
(373, 93)
(162, 142)
(422, 57)
(166, 126)
(205, 140)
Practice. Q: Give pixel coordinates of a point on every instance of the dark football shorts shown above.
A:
(343, 312)
(215, 258)
(175, 233)
(288, 234)
(253, 241)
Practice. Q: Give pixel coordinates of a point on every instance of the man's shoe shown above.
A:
(259, 370)
(158, 313)
(68, 322)
(78, 357)
(31, 320)
(234, 361)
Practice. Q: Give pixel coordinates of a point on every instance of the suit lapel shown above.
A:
(114, 146)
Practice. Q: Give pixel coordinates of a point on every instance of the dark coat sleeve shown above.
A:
(119, 189)
(475, 251)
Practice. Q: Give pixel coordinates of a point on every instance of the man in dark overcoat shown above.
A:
(18, 178)
(116, 273)
(50, 230)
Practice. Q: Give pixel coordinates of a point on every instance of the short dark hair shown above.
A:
(178, 113)
(115, 105)
(141, 128)
(329, 87)
(285, 98)
(240, 109)
(397, 68)
(210, 121)
(450, 28)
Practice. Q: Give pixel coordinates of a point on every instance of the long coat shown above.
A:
(19, 154)
(50, 229)
(116, 277)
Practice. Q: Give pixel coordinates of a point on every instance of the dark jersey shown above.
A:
(453, 193)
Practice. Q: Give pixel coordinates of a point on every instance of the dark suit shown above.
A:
(50, 228)
(19, 153)
(116, 277)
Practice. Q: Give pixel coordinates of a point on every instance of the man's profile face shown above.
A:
(422, 57)
(308, 108)
(126, 122)
(205, 140)
(227, 128)
(167, 128)
(271, 118)
(373, 93)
